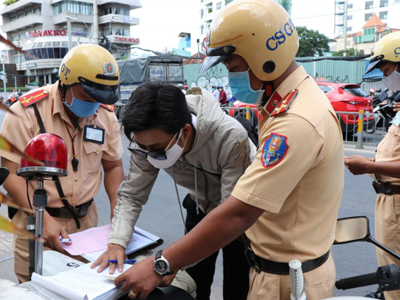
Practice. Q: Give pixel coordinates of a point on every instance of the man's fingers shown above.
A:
(96, 262)
(104, 264)
(112, 268)
(119, 280)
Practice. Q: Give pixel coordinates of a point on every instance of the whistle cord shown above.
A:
(74, 161)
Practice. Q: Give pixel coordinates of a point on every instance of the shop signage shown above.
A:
(54, 32)
(126, 39)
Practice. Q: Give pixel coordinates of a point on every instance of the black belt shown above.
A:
(385, 188)
(63, 212)
(278, 268)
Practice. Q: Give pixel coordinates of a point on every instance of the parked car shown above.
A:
(347, 100)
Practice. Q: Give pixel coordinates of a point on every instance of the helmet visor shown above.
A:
(215, 56)
(373, 63)
(106, 94)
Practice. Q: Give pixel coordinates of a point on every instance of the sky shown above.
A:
(162, 20)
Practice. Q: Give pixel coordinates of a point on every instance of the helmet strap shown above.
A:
(268, 87)
(63, 90)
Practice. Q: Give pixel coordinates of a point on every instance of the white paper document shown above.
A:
(82, 283)
(92, 243)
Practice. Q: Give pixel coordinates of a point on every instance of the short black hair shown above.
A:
(155, 105)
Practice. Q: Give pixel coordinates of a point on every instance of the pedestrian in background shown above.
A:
(223, 99)
(215, 93)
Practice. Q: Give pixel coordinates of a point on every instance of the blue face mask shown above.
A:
(239, 83)
(80, 108)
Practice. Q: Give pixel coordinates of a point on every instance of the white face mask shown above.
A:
(172, 154)
(392, 82)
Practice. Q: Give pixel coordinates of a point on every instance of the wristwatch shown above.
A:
(161, 265)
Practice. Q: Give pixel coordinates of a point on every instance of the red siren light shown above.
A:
(51, 150)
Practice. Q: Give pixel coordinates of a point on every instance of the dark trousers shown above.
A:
(235, 266)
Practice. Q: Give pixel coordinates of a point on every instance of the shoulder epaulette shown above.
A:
(110, 107)
(283, 106)
(33, 97)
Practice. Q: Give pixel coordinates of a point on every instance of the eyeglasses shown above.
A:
(159, 155)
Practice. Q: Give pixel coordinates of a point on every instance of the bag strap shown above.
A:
(65, 201)
(39, 119)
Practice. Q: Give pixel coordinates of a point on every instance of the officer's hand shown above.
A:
(52, 231)
(167, 280)
(396, 106)
(357, 165)
(113, 252)
(140, 279)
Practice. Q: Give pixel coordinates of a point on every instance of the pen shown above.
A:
(126, 261)
(65, 240)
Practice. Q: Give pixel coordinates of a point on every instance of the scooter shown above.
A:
(383, 103)
(356, 229)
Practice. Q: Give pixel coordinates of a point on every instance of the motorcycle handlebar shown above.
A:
(357, 281)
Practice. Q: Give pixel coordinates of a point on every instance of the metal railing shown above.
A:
(247, 112)
(358, 128)
(362, 128)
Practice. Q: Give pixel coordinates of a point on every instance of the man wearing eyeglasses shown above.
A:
(202, 149)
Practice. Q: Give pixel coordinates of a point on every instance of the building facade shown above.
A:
(46, 29)
(359, 12)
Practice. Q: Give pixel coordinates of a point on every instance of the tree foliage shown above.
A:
(312, 43)
(8, 2)
(349, 52)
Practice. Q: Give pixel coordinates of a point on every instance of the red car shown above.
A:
(347, 100)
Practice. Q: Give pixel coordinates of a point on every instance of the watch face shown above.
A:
(161, 266)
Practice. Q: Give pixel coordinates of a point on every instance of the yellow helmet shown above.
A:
(260, 31)
(95, 69)
(386, 50)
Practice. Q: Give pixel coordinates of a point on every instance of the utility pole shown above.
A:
(345, 28)
(69, 19)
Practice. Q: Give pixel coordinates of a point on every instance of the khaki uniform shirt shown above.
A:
(81, 186)
(299, 185)
(389, 150)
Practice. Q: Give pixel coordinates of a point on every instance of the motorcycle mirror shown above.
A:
(353, 229)
(356, 229)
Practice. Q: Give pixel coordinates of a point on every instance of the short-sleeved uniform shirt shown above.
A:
(388, 150)
(82, 185)
(297, 176)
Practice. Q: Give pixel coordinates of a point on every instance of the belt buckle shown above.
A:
(83, 210)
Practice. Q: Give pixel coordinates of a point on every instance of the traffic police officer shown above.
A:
(386, 166)
(287, 201)
(78, 104)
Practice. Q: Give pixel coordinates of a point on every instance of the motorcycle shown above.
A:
(383, 103)
(12, 98)
(356, 229)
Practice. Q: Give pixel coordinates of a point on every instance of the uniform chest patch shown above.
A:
(274, 150)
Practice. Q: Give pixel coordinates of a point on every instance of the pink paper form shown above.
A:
(89, 240)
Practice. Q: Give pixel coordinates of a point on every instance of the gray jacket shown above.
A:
(220, 154)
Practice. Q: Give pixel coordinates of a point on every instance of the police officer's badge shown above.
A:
(274, 150)
(108, 69)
